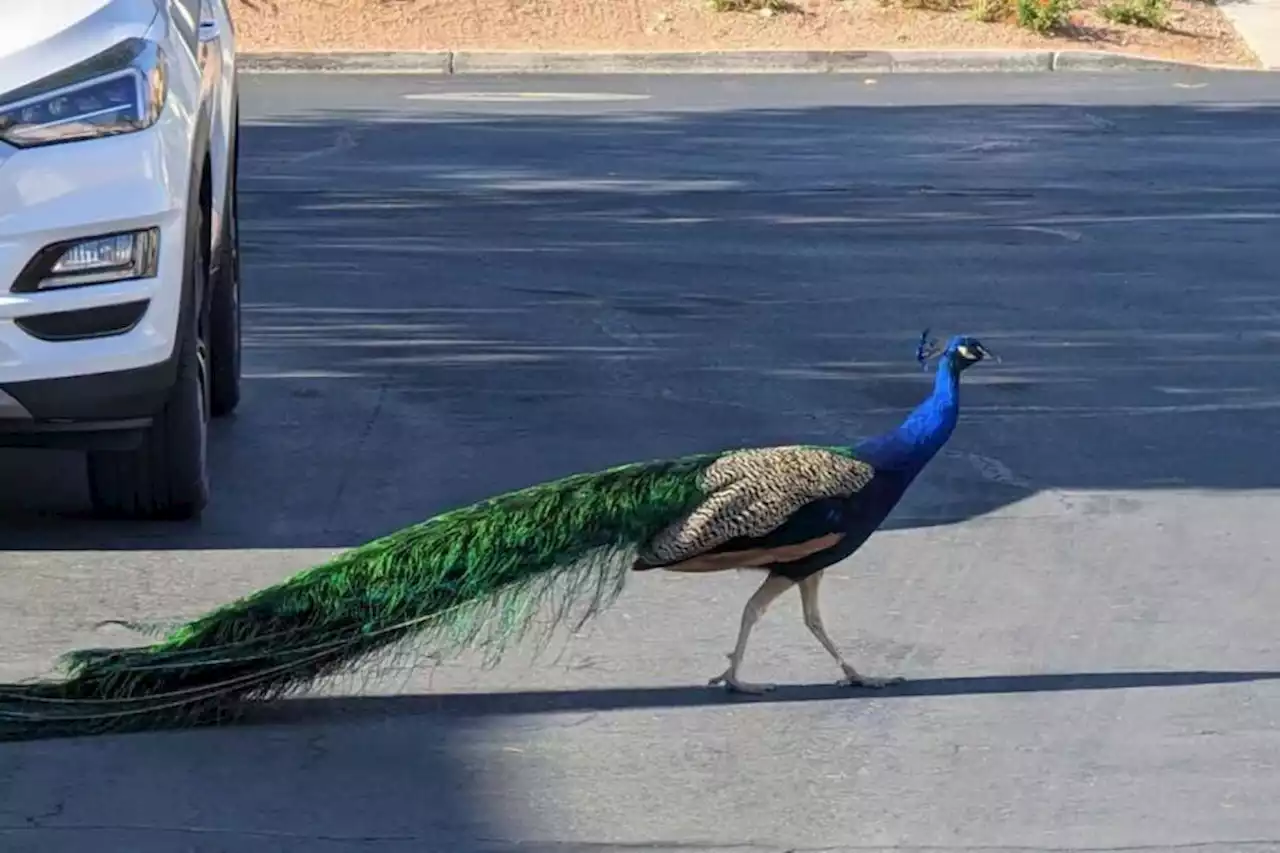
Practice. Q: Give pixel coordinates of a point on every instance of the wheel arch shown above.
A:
(224, 160)
(198, 195)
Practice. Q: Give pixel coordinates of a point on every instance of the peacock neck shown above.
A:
(922, 434)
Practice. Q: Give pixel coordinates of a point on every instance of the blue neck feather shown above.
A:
(909, 447)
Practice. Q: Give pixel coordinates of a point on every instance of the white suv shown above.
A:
(119, 263)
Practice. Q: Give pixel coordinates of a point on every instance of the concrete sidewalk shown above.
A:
(1258, 23)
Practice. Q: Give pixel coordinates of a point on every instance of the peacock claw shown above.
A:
(733, 685)
(854, 679)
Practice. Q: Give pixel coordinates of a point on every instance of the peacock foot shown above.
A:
(731, 683)
(853, 678)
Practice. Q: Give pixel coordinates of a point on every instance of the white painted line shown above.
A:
(519, 97)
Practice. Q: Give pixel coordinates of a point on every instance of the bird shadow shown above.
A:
(532, 702)
(306, 710)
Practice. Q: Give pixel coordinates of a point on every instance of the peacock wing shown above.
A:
(753, 492)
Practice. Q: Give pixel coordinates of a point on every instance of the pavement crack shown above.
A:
(565, 846)
(36, 821)
(353, 461)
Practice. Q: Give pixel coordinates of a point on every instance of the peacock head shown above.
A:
(960, 353)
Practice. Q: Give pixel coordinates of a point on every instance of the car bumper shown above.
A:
(94, 411)
(96, 357)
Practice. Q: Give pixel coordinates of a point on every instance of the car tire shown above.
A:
(224, 306)
(166, 477)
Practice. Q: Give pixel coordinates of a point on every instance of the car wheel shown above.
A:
(166, 477)
(224, 307)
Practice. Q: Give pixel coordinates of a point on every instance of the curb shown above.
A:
(453, 62)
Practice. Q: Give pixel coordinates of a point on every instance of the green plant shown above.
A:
(990, 11)
(1140, 13)
(1043, 16)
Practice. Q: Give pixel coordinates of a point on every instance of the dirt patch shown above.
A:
(1194, 31)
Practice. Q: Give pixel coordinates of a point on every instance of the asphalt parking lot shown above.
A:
(458, 287)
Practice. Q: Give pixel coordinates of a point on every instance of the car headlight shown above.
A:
(121, 90)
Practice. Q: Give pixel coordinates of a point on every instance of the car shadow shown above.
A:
(552, 293)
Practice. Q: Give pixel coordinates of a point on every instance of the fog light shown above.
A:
(107, 254)
(96, 260)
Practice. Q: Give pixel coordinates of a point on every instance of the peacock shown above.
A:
(478, 575)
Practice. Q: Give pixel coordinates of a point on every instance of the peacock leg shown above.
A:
(813, 621)
(773, 586)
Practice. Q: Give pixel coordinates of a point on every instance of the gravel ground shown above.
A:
(1196, 31)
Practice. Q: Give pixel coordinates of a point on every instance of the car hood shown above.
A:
(40, 38)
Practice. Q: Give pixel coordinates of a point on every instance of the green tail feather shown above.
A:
(472, 577)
